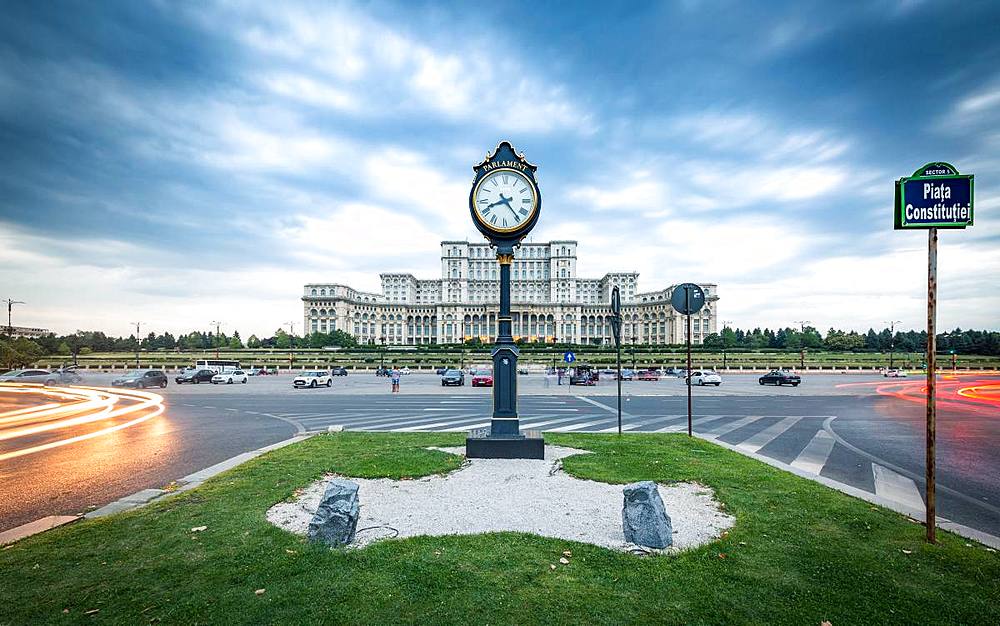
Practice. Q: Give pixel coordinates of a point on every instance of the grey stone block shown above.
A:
(336, 519)
(644, 517)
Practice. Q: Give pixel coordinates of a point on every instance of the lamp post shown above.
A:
(218, 333)
(892, 338)
(725, 325)
(381, 363)
(137, 340)
(10, 305)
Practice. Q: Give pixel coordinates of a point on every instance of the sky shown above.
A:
(178, 163)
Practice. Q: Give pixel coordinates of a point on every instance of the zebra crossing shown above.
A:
(799, 441)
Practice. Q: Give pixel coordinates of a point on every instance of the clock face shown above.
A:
(504, 200)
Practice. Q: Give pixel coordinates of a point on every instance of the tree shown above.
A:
(235, 342)
(282, 340)
(253, 342)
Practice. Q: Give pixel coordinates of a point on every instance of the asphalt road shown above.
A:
(858, 430)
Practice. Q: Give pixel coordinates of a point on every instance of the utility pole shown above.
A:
(381, 364)
(892, 338)
(137, 340)
(802, 325)
(218, 337)
(10, 305)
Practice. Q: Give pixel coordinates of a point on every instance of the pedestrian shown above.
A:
(559, 373)
(395, 380)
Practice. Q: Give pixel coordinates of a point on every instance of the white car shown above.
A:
(894, 373)
(405, 371)
(313, 380)
(230, 377)
(705, 377)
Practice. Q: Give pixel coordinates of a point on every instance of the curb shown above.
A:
(189, 482)
(142, 497)
(943, 523)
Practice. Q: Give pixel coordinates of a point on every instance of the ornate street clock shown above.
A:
(505, 200)
(505, 203)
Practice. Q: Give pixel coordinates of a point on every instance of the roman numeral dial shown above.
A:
(504, 200)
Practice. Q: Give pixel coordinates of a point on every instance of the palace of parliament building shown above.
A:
(549, 303)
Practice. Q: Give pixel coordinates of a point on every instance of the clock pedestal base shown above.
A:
(482, 444)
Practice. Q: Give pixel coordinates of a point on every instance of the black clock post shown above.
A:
(505, 221)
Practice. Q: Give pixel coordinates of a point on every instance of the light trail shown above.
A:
(952, 391)
(81, 406)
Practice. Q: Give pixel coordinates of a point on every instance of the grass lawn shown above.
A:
(799, 554)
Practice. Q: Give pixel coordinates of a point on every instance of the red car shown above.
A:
(648, 375)
(482, 379)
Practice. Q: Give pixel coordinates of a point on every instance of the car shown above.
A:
(780, 377)
(405, 371)
(440, 371)
(194, 376)
(42, 377)
(583, 375)
(672, 371)
(894, 373)
(705, 377)
(627, 374)
(453, 377)
(68, 375)
(312, 380)
(141, 379)
(338, 371)
(648, 375)
(522, 371)
(383, 371)
(230, 377)
(609, 371)
(482, 378)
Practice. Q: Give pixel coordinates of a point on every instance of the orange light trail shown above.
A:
(80, 406)
(951, 391)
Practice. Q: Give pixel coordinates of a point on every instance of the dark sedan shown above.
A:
(195, 377)
(338, 371)
(452, 377)
(780, 377)
(141, 379)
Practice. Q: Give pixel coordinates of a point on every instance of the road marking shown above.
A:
(632, 425)
(579, 426)
(436, 409)
(731, 426)
(896, 487)
(422, 419)
(814, 456)
(233, 410)
(769, 434)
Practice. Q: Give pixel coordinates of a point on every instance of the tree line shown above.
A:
(20, 351)
(982, 342)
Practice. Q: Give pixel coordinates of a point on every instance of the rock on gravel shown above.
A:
(644, 517)
(521, 495)
(336, 518)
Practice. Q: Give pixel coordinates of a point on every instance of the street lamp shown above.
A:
(218, 336)
(725, 325)
(137, 340)
(892, 338)
(10, 306)
(381, 364)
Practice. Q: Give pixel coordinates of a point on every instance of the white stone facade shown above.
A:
(548, 302)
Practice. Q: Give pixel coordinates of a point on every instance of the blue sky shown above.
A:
(177, 163)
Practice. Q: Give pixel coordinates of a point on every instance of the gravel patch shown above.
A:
(521, 495)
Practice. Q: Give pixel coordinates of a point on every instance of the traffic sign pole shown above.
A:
(687, 302)
(930, 518)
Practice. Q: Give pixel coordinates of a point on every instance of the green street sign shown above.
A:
(936, 196)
